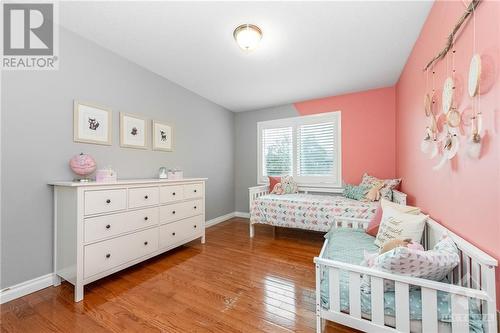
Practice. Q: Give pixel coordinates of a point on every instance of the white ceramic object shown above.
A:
(474, 75)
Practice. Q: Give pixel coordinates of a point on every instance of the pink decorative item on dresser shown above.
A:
(83, 165)
(105, 176)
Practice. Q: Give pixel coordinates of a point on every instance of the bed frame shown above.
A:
(258, 191)
(473, 278)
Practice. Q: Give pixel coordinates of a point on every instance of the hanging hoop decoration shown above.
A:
(474, 75)
(433, 123)
(428, 105)
(448, 91)
(453, 117)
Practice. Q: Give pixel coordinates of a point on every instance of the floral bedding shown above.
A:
(308, 211)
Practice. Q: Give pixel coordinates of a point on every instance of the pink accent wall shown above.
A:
(368, 131)
(463, 195)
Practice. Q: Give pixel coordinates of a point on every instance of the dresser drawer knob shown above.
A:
(108, 226)
(145, 243)
(108, 201)
(195, 191)
(173, 212)
(108, 256)
(194, 226)
(146, 197)
(145, 218)
(195, 207)
(173, 234)
(173, 193)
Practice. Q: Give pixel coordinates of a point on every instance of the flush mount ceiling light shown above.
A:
(247, 36)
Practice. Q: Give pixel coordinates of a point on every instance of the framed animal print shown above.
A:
(91, 123)
(133, 131)
(163, 136)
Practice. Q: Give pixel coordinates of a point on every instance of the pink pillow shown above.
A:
(372, 229)
(272, 182)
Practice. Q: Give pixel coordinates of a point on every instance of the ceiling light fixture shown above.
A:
(247, 36)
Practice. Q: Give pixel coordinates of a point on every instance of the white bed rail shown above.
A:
(473, 279)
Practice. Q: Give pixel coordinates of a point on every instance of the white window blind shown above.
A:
(308, 148)
(315, 149)
(277, 151)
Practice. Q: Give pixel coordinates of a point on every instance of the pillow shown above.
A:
(395, 224)
(374, 224)
(434, 264)
(402, 208)
(356, 192)
(272, 182)
(286, 186)
(386, 190)
(372, 229)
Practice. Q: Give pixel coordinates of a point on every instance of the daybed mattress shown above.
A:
(347, 245)
(308, 211)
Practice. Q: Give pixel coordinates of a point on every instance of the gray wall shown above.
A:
(246, 149)
(37, 142)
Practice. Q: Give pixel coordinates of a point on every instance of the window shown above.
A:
(308, 148)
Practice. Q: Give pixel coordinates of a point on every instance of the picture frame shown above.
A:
(92, 123)
(163, 136)
(133, 131)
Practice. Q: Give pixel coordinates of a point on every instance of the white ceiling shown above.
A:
(309, 49)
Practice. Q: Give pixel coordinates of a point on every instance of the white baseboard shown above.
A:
(42, 282)
(219, 219)
(25, 288)
(242, 214)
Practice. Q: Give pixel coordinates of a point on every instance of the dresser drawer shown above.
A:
(143, 197)
(175, 232)
(101, 227)
(103, 201)
(108, 254)
(181, 210)
(193, 191)
(171, 193)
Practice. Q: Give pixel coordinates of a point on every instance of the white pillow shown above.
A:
(434, 264)
(402, 208)
(395, 224)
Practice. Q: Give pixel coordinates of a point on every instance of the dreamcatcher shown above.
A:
(473, 146)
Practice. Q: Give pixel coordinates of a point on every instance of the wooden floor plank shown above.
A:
(230, 284)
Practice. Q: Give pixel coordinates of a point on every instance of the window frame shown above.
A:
(295, 122)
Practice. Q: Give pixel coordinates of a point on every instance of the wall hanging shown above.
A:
(474, 139)
(442, 134)
(163, 136)
(91, 123)
(133, 131)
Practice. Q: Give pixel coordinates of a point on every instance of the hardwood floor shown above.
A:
(229, 284)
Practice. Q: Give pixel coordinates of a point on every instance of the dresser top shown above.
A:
(126, 182)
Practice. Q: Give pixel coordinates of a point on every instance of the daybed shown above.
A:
(466, 304)
(304, 210)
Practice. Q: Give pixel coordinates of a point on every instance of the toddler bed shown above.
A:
(463, 303)
(317, 212)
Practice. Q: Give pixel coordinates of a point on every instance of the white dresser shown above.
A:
(103, 228)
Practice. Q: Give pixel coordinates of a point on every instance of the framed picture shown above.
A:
(163, 136)
(133, 131)
(91, 123)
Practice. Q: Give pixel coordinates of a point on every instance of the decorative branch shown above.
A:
(451, 38)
